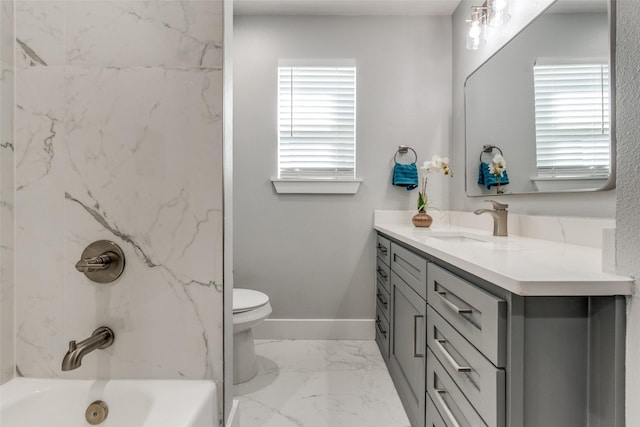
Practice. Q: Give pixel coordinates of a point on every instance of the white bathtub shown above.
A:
(29, 402)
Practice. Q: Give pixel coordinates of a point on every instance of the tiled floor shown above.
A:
(320, 384)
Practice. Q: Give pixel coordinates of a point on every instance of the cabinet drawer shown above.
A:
(383, 301)
(482, 383)
(478, 315)
(382, 334)
(383, 249)
(382, 274)
(447, 397)
(433, 418)
(411, 268)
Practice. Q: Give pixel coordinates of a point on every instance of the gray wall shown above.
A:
(596, 204)
(314, 254)
(628, 201)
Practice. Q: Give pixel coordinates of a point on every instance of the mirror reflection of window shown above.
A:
(572, 119)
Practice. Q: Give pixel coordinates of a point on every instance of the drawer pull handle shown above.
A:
(450, 359)
(379, 326)
(415, 336)
(382, 300)
(382, 249)
(445, 408)
(452, 306)
(381, 273)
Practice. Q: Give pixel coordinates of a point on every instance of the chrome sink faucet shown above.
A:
(101, 338)
(499, 214)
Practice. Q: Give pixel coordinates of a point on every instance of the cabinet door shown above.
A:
(408, 347)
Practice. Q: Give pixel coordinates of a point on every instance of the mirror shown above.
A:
(544, 101)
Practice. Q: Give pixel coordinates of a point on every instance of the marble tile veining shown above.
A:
(119, 136)
(320, 384)
(147, 33)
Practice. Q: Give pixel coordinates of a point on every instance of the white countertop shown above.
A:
(521, 265)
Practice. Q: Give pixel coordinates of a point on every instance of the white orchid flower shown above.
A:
(426, 168)
(498, 165)
(436, 163)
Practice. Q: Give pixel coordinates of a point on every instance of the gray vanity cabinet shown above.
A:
(466, 337)
(401, 316)
(465, 352)
(407, 352)
(383, 298)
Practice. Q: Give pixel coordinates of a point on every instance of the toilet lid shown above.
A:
(248, 299)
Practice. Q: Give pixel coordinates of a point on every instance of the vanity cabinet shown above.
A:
(463, 351)
(466, 337)
(402, 313)
(407, 352)
(383, 298)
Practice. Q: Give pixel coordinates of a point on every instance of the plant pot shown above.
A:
(422, 219)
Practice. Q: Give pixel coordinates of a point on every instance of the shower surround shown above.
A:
(119, 137)
(7, 347)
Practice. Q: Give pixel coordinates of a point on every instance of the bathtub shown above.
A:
(30, 402)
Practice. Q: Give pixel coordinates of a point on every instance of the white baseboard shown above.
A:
(316, 329)
(234, 415)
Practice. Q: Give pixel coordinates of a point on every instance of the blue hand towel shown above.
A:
(405, 175)
(488, 179)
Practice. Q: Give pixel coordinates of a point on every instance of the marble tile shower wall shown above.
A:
(7, 362)
(119, 137)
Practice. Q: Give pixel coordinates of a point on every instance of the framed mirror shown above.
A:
(545, 101)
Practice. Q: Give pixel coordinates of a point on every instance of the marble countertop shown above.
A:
(521, 265)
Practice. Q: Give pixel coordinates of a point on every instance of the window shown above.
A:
(316, 123)
(572, 119)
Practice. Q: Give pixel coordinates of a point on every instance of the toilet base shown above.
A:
(245, 366)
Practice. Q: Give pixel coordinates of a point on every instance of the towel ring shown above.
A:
(404, 149)
(488, 149)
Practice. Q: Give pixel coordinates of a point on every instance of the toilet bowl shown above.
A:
(249, 309)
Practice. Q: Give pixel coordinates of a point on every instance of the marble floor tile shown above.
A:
(320, 384)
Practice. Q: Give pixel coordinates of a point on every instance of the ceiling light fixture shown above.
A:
(476, 28)
(498, 12)
(493, 13)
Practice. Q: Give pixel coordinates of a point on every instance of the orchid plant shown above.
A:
(437, 164)
(497, 168)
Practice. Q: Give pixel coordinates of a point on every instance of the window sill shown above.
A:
(565, 183)
(316, 186)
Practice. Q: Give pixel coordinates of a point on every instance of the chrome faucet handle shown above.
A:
(498, 206)
(101, 261)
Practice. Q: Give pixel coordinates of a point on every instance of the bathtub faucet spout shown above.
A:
(101, 338)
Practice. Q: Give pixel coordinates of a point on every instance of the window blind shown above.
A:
(572, 119)
(316, 122)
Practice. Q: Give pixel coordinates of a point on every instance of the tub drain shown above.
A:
(97, 412)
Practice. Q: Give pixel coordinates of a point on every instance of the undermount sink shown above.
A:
(500, 244)
(458, 238)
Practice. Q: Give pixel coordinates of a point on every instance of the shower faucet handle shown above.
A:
(101, 261)
(95, 263)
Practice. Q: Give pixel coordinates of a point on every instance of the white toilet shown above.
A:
(249, 309)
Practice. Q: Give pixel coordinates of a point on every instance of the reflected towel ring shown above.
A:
(404, 149)
(488, 149)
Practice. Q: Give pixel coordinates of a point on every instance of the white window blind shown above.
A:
(572, 119)
(316, 122)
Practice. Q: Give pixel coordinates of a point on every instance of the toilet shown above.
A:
(249, 309)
